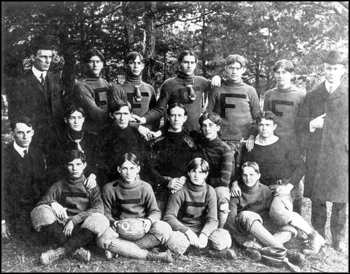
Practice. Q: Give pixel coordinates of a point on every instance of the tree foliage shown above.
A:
(261, 31)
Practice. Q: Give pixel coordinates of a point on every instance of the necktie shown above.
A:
(330, 90)
(42, 79)
(192, 94)
(137, 94)
(25, 153)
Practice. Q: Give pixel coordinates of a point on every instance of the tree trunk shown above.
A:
(151, 9)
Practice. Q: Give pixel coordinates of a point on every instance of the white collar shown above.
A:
(38, 73)
(19, 149)
(334, 85)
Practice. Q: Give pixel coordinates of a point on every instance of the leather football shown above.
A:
(130, 229)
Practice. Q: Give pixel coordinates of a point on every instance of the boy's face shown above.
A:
(23, 134)
(234, 72)
(94, 66)
(209, 129)
(121, 117)
(188, 65)
(283, 77)
(266, 128)
(75, 121)
(197, 176)
(76, 168)
(333, 73)
(250, 176)
(43, 59)
(129, 171)
(177, 118)
(136, 67)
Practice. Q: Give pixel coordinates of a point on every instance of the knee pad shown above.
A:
(220, 239)
(161, 230)
(178, 243)
(96, 223)
(42, 215)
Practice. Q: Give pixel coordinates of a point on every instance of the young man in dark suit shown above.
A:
(23, 183)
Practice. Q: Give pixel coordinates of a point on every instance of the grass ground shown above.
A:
(23, 255)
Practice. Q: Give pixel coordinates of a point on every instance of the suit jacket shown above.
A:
(42, 103)
(23, 183)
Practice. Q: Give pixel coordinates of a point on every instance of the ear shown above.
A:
(84, 164)
(111, 115)
(33, 132)
(274, 126)
(119, 169)
(138, 168)
(185, 118)
(65, 120)
(218, 128)
(32, 57)
(259, 175)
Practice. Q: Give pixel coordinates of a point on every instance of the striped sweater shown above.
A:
(220, 158)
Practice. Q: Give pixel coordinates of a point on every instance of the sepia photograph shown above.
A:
(175, 136)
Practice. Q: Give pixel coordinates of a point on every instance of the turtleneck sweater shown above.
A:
(79, 201)
(169, 157)
(238, 105)
(193, 207)
(256, 199)
(126, 91)
(285, 104)
(175, 90)
(276, 161)
(92, 94)
(134, 200)
(114, 141)
(220, 158)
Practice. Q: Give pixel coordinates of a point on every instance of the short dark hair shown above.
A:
(73, 108)
(212, 116)
(71, 155)
(198, 162)
(116, 105)
(174, 105)
(253, 165)
(129, 156)
(21, 119)
(185, 53)
(286, 64)
(267, 115)
(132, 56)
(91, 53)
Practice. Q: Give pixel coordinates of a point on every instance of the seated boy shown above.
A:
(70, 214)
(192, 214)
(130, 197)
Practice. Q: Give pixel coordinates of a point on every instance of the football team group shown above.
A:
(192, 166)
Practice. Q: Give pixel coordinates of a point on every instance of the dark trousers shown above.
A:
(80, 236)
(339, 219)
